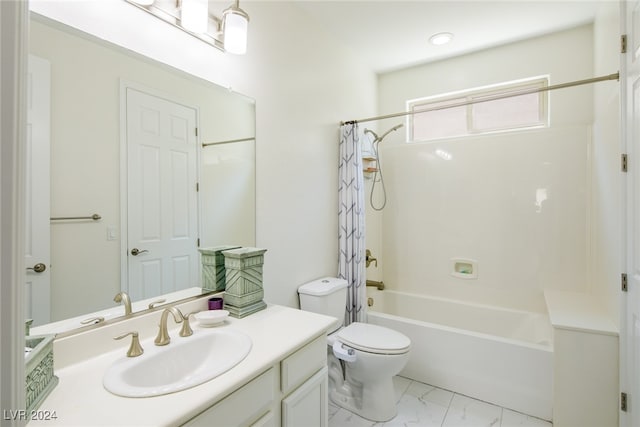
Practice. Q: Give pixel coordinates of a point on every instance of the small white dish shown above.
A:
(211, 317)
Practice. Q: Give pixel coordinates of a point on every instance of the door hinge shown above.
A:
(623, 43)
(624, 162)
(623, 402)
(197, 187)
(623, 282)
(196, 131)
(198, 242)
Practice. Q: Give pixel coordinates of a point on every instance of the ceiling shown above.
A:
(394, 34)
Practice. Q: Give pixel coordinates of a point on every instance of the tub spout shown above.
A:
(379, 285)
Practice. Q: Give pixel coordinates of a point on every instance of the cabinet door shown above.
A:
(307, 405)
(242, 407)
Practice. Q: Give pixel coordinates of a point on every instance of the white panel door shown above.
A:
(37, 193)
(162, 206)
(630, 322)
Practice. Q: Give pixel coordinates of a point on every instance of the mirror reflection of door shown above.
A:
(162, 204)
(37, 192)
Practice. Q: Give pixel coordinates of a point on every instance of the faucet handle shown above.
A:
(27, 327)
(92, 320)
(186, 328)
(369, 259)
(135, 349)
(154, 303)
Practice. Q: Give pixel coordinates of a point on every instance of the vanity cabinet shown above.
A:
(304, 383)
(307, 405)
(291, 393)
(242, 407)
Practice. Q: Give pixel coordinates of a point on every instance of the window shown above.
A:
(481, 110)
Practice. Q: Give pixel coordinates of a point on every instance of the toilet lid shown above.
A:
(374, 339)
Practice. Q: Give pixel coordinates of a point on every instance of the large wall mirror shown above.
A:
(87, 85)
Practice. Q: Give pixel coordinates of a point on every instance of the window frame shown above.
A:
(538, 82)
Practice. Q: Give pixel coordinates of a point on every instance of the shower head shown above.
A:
(396, 127)
(375, 136)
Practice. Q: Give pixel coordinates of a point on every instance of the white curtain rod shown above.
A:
(614, 76)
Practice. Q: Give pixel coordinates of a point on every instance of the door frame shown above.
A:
(629, 222)
(14, 23)
(37, 191)
(124, 178)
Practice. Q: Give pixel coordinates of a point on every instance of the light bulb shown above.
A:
(440, 38)
(235, 33)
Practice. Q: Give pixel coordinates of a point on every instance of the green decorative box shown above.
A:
(243, 294)
(39, 370)
(213, 269)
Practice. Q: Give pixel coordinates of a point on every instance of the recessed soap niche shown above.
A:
(464, 268)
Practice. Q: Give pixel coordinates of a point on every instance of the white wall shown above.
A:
(483, 204)
(303, 82)
(606, 256)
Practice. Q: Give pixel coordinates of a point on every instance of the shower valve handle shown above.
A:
(369, 259)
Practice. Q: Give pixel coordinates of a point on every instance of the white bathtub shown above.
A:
(493, 354)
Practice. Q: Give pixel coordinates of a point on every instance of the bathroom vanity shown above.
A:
(282, 381)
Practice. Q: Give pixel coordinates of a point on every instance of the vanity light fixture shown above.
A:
(228, 33)
(235, 25)
(144, 2)
(194, 15)
(440, 38)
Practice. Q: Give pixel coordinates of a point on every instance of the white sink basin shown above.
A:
(185, 362)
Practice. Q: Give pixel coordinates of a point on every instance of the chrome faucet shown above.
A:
(122, 297)
(163, 335)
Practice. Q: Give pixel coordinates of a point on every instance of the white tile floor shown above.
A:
(423, 405)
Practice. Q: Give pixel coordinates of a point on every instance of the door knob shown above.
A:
(38, 268)
(136, 251)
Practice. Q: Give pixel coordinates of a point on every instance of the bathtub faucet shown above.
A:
(379, 285)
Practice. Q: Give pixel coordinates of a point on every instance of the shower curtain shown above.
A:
(351, 223)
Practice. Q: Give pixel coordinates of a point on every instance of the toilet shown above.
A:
(362, 358)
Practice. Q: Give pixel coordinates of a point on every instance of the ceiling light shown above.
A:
(440, 38)
(235, 24)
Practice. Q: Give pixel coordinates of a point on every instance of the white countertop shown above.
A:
(81, 400)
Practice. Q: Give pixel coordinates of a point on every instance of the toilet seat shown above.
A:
(373, 339)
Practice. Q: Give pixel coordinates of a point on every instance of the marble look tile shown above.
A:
(465, 411)
(421, 405)
(425, 406)
(333, 409)
(344, 418)
(426, 392)
(516, 419)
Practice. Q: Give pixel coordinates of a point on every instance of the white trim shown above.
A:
(626, 211)
(13, 56)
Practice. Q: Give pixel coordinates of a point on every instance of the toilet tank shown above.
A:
(325, 296)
